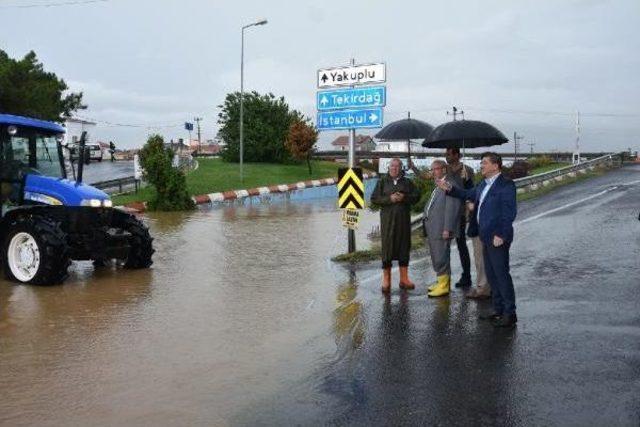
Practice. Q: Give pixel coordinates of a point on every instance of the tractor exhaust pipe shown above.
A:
(81, 157)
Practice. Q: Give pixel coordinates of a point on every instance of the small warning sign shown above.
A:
(350, 218)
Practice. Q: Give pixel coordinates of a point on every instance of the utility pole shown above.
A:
(261, 22)
(516, 145)
(197, 120)
(531, 144)
(456, 113)
(576, 153)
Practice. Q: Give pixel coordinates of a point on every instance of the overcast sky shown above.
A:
(522, 66)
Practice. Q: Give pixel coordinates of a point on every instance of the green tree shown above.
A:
(301, 140)
(266, 125)
(26, 89)
(170, 183)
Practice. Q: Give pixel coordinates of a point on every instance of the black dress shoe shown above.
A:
(506, 321)
(490, 316)
(464, 282)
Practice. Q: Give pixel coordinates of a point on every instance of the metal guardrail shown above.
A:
(118, 183)
(547, 176)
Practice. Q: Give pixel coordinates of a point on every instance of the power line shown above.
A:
(552, 113)
(516, 111)
(130, 125)
(66, 3)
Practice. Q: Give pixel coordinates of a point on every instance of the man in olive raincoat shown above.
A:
(395, 194)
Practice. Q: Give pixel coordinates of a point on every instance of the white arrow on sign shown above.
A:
(324, 100)
(373, 118)
(352, 75)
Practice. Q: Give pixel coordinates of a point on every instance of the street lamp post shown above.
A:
(261, 22)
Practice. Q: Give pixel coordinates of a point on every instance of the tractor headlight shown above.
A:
(107, 203)
(94, 203)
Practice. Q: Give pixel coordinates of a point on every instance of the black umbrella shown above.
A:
(464, 134)
(405, 129)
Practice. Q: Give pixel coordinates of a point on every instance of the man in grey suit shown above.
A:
(441, 224)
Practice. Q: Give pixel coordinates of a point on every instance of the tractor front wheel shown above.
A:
(35, 251)
(140, 241)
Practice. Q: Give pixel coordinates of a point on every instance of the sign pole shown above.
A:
(355, 106)
(351, 234)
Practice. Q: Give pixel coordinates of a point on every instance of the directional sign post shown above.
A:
(352, 75)
(361, 97)
(356, 107)
(350, 119)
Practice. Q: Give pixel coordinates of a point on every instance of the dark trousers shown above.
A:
(496, 264)
(463, 251)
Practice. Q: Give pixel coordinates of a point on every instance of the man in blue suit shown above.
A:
(495, 206)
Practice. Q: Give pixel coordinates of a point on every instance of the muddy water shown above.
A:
(240, 302)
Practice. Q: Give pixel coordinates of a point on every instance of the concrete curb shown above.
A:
(230, 195)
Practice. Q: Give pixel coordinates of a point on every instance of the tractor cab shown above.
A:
(32, 166)
(47, 219)
(28, 147)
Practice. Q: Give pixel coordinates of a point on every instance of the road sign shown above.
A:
(363, 97)
(352, 75)
(350, 119)
(350, 188)
(188, 126)
(350, 218)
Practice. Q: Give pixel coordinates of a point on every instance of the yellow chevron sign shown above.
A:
(350, 188)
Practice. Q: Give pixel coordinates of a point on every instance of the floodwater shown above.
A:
(244, 320)
(228, 313)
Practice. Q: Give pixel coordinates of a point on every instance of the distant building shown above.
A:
(399, 147)
(75, 127)
(219, 140)
(362, 143)
(209, 150)
(125, 154)
(178, 146)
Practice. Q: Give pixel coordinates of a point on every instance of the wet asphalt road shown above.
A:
(244, 321)
(106, 170)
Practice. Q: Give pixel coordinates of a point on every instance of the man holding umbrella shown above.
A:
(465, 175)
(453, 136)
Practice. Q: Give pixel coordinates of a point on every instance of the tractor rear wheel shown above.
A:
(35, 251)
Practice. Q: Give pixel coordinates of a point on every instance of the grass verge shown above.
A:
(367, 255)
(214, 175)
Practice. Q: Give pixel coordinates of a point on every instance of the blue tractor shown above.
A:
(48, 219)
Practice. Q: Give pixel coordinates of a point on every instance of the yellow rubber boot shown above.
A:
(442, 288)
(432, 287)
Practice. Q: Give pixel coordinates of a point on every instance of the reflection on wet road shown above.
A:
(243, 320)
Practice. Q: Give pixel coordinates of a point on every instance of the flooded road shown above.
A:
(244, 320)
